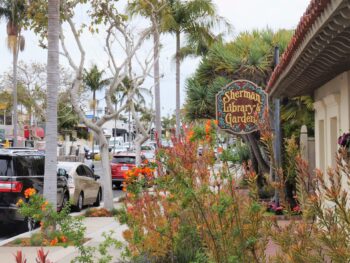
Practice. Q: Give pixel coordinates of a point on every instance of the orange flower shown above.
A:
(148, 171)
(43, 206)
(190, 135)
(54, 242)
(216, 122)
(29, 192)
(19, 202)
(64, 239)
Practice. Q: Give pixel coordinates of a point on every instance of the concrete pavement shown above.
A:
(95, 227)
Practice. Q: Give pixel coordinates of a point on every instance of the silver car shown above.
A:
(84, 187)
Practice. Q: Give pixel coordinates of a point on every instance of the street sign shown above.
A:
(239, 107)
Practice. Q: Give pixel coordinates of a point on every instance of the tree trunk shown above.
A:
(50, 179)
(258, 162)
(138, 152)
(263, 166)
(15, 113)
(106, 176)
(156, 83)
(93, 120)
(177, 84)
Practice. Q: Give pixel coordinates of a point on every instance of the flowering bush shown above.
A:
(195, 213)
(57, 228)
(223, 224)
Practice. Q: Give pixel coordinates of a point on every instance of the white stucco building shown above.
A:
(317, 63)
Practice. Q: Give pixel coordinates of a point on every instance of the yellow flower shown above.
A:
(19, 202)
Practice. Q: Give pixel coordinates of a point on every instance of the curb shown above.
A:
(27, 234)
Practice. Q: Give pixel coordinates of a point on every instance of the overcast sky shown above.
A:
(242, 14)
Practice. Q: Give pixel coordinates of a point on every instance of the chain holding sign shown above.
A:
(240, 107)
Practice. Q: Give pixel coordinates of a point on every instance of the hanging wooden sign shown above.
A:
(240, 106)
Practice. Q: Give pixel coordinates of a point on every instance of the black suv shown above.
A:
(22, 168)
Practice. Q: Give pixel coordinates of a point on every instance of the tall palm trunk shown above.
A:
(156, 83)
(50, 181)
(177, 83)
(93, 120)
(15, 113)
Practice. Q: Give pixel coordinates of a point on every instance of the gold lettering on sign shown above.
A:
(241, 106)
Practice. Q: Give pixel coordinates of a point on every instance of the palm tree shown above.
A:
(195, 19)
(93, 80)
(249, 56)
(14, 12)
(296, 112)
(53, 80)
(156, 11)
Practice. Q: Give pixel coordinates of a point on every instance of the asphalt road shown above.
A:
(10, 230)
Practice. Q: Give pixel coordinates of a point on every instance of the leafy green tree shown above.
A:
(14, 12)
(169, 123)
(67, 118)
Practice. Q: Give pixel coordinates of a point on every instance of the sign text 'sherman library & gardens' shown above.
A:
(240, 106)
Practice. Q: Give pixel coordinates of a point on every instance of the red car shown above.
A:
(121, 163)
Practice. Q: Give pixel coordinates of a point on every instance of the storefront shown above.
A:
(317, 63)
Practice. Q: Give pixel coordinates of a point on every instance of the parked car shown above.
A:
(121, 163)
(152, 143)
(84, 187)
(148, 151)
(118, 149)
(22, 168)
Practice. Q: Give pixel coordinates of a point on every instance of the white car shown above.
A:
(83, 185)
(118, 149)
(148, 151)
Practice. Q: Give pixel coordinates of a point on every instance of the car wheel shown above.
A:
(98, 198)
(80, 202)
(28, 224)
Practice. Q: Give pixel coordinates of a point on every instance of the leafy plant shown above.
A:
(19, 257)
(194, 204)
(57, 228)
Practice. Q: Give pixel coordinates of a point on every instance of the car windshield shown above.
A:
(146, 148)
(124, 159)
(5, 166)
(29, 165)
(66, 166)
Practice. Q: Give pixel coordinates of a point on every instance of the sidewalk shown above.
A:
(95, 227)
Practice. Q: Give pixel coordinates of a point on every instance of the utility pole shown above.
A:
(115, 126)
(277, 128)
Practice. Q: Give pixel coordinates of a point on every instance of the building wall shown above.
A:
(332, 118)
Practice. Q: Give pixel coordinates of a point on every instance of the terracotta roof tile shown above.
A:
(313, 11)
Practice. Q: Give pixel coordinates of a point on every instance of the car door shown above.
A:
(81, 183)
(92, 184)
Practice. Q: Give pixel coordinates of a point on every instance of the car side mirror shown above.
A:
(97, 177)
